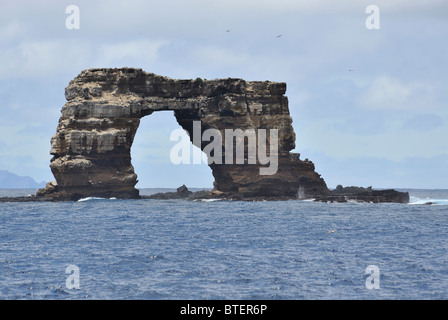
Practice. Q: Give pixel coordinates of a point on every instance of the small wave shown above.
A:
(355, 201)
(210, 200)
(95, 198)
(428, 201)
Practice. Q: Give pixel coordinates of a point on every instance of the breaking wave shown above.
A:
(428, 201)
(95, 198)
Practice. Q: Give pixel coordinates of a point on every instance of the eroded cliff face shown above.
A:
(92, 145)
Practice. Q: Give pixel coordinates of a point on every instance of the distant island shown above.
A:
(9, 180)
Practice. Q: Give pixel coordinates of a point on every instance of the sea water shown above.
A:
(179, 249)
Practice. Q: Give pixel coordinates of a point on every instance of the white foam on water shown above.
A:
(95, 198)
(428, 201)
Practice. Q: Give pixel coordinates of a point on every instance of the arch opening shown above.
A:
(150, 154)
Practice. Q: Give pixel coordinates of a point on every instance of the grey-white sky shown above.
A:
(384, 124)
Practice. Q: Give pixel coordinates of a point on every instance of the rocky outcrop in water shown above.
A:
(181, 193)
(361, 194)
(93, 140)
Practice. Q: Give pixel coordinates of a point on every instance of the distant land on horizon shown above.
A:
(9, 180)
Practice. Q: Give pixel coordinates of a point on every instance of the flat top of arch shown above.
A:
(145, 84)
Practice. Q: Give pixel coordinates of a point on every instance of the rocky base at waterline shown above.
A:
(374, 196)
(183, 193)
(360, 194)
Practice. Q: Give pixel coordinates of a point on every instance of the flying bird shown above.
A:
(278, 36)
(350, 70)
(228, 30)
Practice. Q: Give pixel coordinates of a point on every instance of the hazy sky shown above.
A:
(385, 124)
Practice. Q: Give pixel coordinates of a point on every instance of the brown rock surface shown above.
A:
(93, 140)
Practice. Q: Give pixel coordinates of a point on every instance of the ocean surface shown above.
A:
(178, 249)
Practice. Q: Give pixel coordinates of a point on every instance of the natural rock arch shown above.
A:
(94, 136)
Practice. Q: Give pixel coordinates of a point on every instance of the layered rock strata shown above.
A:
(92, 145)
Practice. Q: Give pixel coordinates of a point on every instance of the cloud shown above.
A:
(423, 122)
(11, 31)
(386, 92)
(51, 58)
(40, 59)
(370, 124)
(332, 7)
(128, 52)
(411, 172)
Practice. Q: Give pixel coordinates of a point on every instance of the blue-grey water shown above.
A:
(178, 249)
